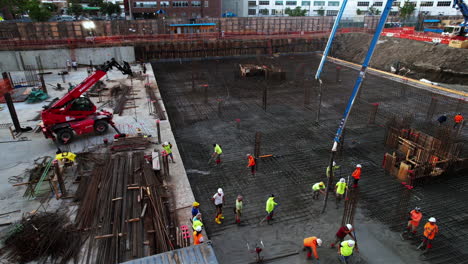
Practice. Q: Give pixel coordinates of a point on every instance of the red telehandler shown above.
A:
(75, 114)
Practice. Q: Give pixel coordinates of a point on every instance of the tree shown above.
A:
(321, 11)
(38, 12)
(358, 12)
(407, 9)
(51, 7)
(110, 8)
(15, 7)
(263, 11)
(75, 9)
(295, 12)
(95, 3)
(373, 11)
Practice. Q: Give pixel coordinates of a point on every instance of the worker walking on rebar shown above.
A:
(270, 208)
(318, 188)
(458, 119)
(251, 163)
(310, 245)
(430, 231)
(239, 207)
(415, 217)
(345, 250)
(217, 153)
(218, 200)
(340, 189)
(167, 146)
(356, 175)
(342, 233)
(334, 167)
(197, 236)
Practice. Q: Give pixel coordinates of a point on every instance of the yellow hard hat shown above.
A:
(195, 204)
(321, 183)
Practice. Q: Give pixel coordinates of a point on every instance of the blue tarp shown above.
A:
(435, 30)
(229, 14)
(431, 20)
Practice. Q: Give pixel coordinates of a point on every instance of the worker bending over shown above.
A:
(197, 236)
(345, 250)
(342, 233)
(197, 222)
(318, 188)
(310, 245)
(415, 217)
(430, 231)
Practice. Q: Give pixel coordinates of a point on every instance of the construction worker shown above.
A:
(270, 208)
(74, 65)
(197, 236)
(430, 231)
(318, 189)
(217, 152)
(251, 163)
(218, 200)
(167, 146)
(342, 233)
(335, 167)
(345, 250)
(195, 209)
(310, 245)
(68, 63)
(197, 221)
(356, 175)
(458, 119)
(340, 188)
(415, 217)
(239, 207)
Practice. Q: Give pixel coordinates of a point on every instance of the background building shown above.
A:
(174, 9)
(331, 7)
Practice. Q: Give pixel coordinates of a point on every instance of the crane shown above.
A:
(75, 114)
(462, 29)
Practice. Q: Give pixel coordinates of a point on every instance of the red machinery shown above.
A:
(74, 114)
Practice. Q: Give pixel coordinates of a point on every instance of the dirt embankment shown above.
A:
(437, 63)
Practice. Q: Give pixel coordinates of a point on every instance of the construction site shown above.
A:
(109, 170)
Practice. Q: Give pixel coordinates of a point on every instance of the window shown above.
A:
(305, 3)
(263, 2)
(264, 11)
(393, 13)
(196, 3)
(278, 2)
(252, 3)
(276, 12)
(164, 3)
(206, 3)
(146, 4)
(332, 12)
(426, 3)
(445, 3)
(291, 2)
(396, 4)
(319, 3)
(333, 3)
(362, 3)
(180, 3)
(378, 3)
(413, 4)
(252, 12)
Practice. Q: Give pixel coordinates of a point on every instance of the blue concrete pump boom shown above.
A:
(460, 5)
(357, 86)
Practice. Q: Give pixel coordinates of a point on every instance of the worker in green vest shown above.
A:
(345, 250)
(217, 152)
(270, 208)
(167, 146)
(197, 221)
(318, 188)
(340, 189)
(335, 167)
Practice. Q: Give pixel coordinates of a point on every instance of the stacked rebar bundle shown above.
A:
(126, 211)
(153, 100)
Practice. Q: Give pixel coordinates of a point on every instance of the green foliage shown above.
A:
(110, 8)
(407, 9)
(95, 3)
(295, 12)
(51, 7)
(263, 11)
(358, 12)
(37, 11)
(373, 11)
(75, 9)
(321, 12)
(16, 7)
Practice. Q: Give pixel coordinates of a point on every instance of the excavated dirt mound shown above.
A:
(437, 63)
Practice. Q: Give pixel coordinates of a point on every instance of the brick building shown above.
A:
(173, 9)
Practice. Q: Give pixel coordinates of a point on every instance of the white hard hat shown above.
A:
(358, 166)
(432, 220)
(342, 180)
(198, 228)
(334, 163)
(166, 143)
(417, 208)
(220, 191)
(351, 243)
(319, 242)
(349, 226)
(248, 155)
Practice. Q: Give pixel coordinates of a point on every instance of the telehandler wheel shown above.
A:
(65, 136)
(100, 127)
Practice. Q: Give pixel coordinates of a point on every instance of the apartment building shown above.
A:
(174, 9)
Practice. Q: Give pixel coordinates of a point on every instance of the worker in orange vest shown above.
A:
(311, 244)
(197, 236)
(430, 231)
(251, 163)
(357, 175)
(415, 217)
(458, 119)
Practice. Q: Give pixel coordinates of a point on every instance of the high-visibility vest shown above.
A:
(270, 204)
(251, 161)
(317, 187)
(340, 187)
(345, 249)
(430, 230)
(196, 223)
(168, 148)
(197, 238)
(218, 149)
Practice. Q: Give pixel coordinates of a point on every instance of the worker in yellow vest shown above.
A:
(340, 189)
(345, 250)
(197, 236)
(270, 208)
(167, 146)
(217, 152)
(318, 188)
(197, 222)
